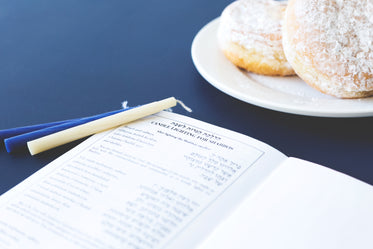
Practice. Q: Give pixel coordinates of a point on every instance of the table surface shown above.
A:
(67, 59)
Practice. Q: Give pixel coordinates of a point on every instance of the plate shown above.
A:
(284, 94)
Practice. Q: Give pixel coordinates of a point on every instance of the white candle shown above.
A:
(56, 139)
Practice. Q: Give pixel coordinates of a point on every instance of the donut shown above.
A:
(329, 43)
(250, 35)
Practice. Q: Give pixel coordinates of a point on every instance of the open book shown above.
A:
(169, 181)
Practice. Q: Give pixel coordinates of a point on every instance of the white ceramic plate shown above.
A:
(285, 94)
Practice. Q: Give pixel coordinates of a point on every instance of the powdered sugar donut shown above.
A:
(250, 35)
(329, 43)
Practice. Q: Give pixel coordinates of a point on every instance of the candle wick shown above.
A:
(125, 104)
(183, 105)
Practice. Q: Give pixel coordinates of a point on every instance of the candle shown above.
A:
(65, 136)
(17, 142)
(6, 133)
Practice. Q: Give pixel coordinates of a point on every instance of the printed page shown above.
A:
(301, 205)
(162, 182)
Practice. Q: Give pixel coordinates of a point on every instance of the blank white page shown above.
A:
(301, 205)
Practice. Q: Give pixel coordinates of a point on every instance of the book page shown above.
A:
(301, 205)
(162, 182)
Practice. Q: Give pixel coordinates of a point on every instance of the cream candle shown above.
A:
(65, 136)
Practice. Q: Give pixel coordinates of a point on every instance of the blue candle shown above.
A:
(17, 142)
(25, 129)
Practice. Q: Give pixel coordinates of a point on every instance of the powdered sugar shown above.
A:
(253, 23)
(336, 36)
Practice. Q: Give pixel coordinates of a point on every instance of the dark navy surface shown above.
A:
(74, 58)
